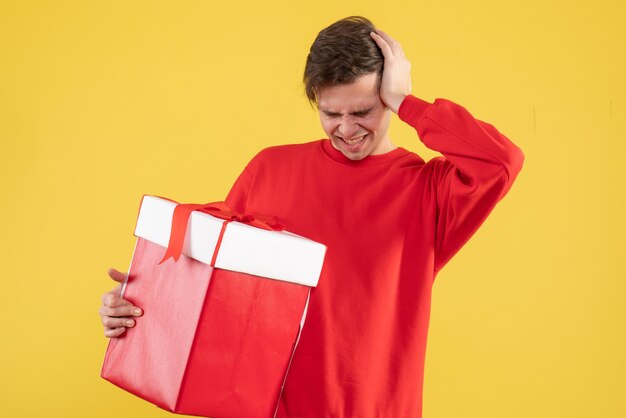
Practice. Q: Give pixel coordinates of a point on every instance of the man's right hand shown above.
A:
(117, 313)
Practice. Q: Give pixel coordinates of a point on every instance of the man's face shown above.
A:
(354, 118)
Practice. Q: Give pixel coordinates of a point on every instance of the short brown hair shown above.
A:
(340, 54)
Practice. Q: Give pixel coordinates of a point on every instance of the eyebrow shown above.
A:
(356, 113)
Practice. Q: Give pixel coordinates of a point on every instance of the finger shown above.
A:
(113, 301)
(391, 41)
(394, 45)
(114, 332)
(125, 310)
(115, 292)
(382, 44)
(116, 275)
(110, 322)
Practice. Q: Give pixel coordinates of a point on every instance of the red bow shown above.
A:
(221, 210)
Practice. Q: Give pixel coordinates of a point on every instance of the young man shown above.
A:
(389, 220)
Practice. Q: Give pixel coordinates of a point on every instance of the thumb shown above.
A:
(118, 276)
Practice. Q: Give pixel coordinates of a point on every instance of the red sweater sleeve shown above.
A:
(477, 170)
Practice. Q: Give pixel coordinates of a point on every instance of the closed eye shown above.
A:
(362, 113)
(358, 114)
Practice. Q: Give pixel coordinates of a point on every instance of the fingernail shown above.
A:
(130, 322)
(137, 311)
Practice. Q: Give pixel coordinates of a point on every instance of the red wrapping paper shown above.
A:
(211, 342)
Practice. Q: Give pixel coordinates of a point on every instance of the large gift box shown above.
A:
(224, 297)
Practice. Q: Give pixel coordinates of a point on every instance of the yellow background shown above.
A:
(101, 102)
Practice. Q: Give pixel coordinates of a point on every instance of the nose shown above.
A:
(347, 128)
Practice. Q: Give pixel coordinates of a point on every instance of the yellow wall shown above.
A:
(101, 102)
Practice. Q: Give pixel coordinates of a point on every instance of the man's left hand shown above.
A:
(396, 79)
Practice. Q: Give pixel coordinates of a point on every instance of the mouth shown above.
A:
(353, 142)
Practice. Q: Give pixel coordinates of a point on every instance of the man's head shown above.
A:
(340, 54)
(342, 78)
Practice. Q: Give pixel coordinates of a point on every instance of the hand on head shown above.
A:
(396, 79)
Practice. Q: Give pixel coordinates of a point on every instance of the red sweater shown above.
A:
(390, 223)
